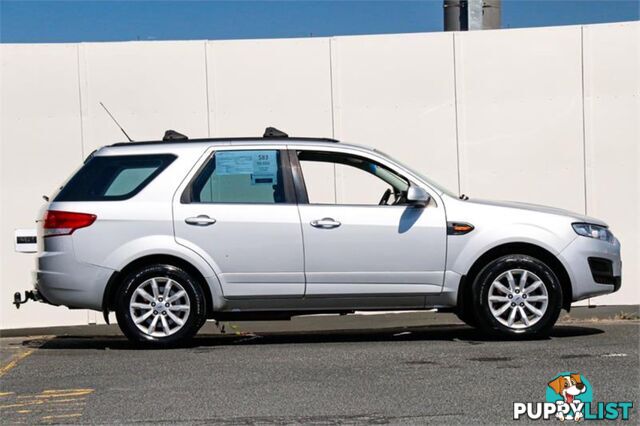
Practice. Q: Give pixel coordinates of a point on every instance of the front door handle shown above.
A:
(202, 220)
(326, 223)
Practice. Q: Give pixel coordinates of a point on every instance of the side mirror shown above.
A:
(418, 196)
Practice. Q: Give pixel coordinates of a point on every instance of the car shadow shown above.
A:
(205, 342)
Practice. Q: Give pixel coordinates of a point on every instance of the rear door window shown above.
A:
(105, 178)
(243, 176)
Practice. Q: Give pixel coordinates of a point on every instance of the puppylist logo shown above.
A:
(569, 396)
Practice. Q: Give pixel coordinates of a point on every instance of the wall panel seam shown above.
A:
(584, 129)
(89, 315)
(206, 82)
(333, 128)
(455, 109)
(584, 132)
(80, 101)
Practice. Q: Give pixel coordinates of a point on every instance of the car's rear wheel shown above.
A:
(160, 305)
(517, 295)
(468, 317)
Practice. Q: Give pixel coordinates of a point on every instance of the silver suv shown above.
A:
(169, 234)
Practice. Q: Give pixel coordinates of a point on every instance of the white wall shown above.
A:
(282, 83)
(612, 142)
(149, 87)
(396, 93)
(545, 115)
(40, 146)
(520, 109)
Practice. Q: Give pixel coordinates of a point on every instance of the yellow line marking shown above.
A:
(14, 362)
(61, 401)
(58, 393)
(88, 390)
(72, 407)
(67, 391)
(60, 410)
(62, 416)
(22, 355)
(26, 404)
(40, 402)
(65, 404)
(53, 404)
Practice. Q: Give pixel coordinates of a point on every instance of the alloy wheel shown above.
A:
(159, 307)
(518, 298)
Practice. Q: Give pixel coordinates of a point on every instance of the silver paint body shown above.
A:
(268, 257)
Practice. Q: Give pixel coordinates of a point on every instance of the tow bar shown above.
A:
(28, 295)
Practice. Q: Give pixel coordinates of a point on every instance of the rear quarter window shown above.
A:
(112, 178)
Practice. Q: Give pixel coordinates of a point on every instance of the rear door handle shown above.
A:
(202, 220)
(326, 223)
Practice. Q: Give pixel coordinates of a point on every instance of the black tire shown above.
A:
(468, 317)
(489, 323)
(203, 321)
(196, 302)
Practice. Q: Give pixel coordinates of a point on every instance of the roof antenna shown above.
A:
(115, 121)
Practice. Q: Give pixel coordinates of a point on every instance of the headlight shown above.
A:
(593, 231)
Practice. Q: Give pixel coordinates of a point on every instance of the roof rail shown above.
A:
(172, 135)
(272, 132)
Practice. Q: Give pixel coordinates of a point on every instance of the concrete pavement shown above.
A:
(401, 370)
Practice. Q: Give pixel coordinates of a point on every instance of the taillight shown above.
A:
(64, 223)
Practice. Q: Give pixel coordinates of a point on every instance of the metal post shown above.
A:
(492, 16)
(465, 15)
(455, 15)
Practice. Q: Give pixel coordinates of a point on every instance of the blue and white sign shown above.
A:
(234, 163)
(261, 165)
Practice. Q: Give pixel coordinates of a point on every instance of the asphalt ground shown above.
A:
(404, 369)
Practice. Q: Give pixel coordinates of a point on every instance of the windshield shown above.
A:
(430, 181)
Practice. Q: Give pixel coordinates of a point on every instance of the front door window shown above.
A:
(336, 178)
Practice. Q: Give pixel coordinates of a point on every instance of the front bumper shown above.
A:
(589, 278)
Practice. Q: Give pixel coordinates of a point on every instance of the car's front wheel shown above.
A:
(517, 295)
(160, 305)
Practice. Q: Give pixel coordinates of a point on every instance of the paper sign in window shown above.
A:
(265, 168)
(234, 163)
(261, 165)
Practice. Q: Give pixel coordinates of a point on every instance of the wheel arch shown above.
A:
(464, 290)
(110, 292)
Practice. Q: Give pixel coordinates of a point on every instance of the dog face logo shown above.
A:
(569, 391)
(569, 396)
(568, 387)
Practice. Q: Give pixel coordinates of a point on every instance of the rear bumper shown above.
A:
(594, 267)
(62, 280)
